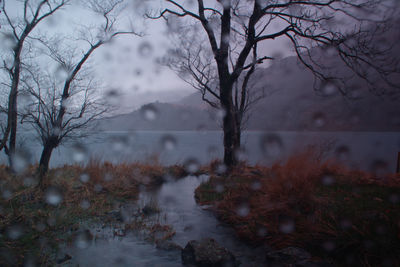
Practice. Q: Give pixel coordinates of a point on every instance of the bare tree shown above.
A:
(235, 31)
(69, 105)
(17, 31)
(83, 107)
(192, 61)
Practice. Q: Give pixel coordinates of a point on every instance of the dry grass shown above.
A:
(351, 217)
(69, 196)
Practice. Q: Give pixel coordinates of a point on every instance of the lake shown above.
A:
(364, 150)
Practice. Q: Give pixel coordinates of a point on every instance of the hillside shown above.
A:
(290, 103)
(160, 116)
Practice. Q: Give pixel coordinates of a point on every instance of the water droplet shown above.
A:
(107, 56)
(25, 99)
(40, 226)
(241, 154)
(51, 221)
(98, 188)
(256, 185)
(219, 188)
(379, 167)
(30, 182)
(14, 231)
(21, 159)
(174, 25)
(277, 54)
(107, 177)
(56, 131)
(113, 97)
(345, 224)
(287, 227)
(329, 246)
(328, 89)
(342, 152)
(6, 194)
(191, 165)
(85, 204)
(61, 73)
(220, 113)
(271, 145)
(243, 210)
(394, 198)
(84, 177)
(119, 143)
(79, 153)
(330, 50)
(262, 231)
(149, 112)
(30, 261)
(226, 38)
(83, 239)
(220, 168)
(225, 3)
(137, 72)
(66, 103)
(53, 196)
(328, 180)
(212, 151)
(168, 142)
(145, 49)
(319, 119)
(8, 41)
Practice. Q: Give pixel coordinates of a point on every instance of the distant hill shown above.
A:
(290, 103)
(160, 116)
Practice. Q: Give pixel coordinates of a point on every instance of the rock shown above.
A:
(167, 245)
(289, 256)
(207, 252)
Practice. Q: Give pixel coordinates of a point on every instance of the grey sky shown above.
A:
(127, 65)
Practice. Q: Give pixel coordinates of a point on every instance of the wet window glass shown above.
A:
(199, 133)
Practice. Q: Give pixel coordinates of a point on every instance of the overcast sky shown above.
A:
(128, 65)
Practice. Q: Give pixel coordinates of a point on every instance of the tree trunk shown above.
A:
(45, 159)
(12, 102)
(229, 136)
(13, 135)
(229, 128)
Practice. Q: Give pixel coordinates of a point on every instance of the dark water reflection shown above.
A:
(179, 209)
(363, 150)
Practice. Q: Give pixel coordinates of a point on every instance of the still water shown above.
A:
(365, 150)
(190, 222)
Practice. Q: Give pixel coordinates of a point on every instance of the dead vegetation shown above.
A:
(349, 217)
(36, 220)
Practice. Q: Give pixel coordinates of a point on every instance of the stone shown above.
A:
(207, 252)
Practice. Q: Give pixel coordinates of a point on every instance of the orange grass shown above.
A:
(305, 203)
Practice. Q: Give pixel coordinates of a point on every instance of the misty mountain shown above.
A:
(290, 103)
(160, 116)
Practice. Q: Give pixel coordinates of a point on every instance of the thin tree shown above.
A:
(84, 106)
(54, 119)
(18, 31)
(235, 30)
